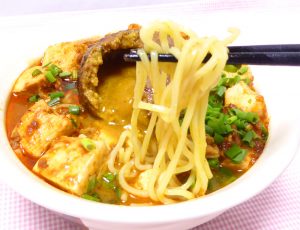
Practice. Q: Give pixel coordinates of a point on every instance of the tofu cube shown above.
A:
(39, 126)
(69, 165)
(243, 97)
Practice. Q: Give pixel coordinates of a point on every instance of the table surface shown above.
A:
(277, 207)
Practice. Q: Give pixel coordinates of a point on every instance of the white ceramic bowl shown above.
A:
(281, 147)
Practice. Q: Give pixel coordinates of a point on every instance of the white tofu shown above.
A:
(39, 126)
(66, 55)
(26, 80)
(69, 165)
(243, 97)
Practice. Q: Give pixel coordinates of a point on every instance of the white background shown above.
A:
(20, 7)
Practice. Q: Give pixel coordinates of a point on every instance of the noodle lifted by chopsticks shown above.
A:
(171, 153)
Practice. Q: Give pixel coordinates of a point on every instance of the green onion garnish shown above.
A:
(221, 90)
(54, 101)
(232, 119)
(248, 116)
(54, 70)
(89, 197)
(214, 163)
(233, 81)
(74, 109)
(88, 144)
(49, 76)
(231, 68)
(118, 192)
(247, 80)
(264, 131)
(92, 184)
(218, 138)
(248, 137)
(240, 157)
(243, 70)
(240, 124)
(48, 63)
(209, 130)
(34, 98)
(74, 123)
(56, 94)
(236, 154)
(65, 74)
(108, 180)
(36, 72)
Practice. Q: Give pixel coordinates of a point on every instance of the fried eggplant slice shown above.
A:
(110, 45)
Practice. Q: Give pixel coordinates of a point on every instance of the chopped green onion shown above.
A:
(248, 116)
(240, 124)
(54, 101)
(236, 154)
(54, 70)
(109, 177)
(56, 94)
(232, 119)
(49, 76)
(221, 90)
(231, 68)
(218, 138)
(264, 131)
(247, 80)
(74, 123)
(36, 72)
(232, 81)
(108, 180)
(239, 157)
(88, 144)
(65, 74)
(118, 192)
(214, 163)
(90, 197)
(248, 137)
(209, 130)
(243, 70)
(219, 125)
(48, 63)
(215, 101)
(74, 109)
(92, 184)
(34, 98)
(233, 151)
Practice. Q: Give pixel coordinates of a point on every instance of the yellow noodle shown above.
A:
(168, 147)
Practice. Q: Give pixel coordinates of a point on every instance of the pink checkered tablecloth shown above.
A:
(277, 207)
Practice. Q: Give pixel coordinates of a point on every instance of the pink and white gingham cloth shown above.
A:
(278, 207)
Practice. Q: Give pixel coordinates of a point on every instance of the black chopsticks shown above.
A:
(284, 54)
